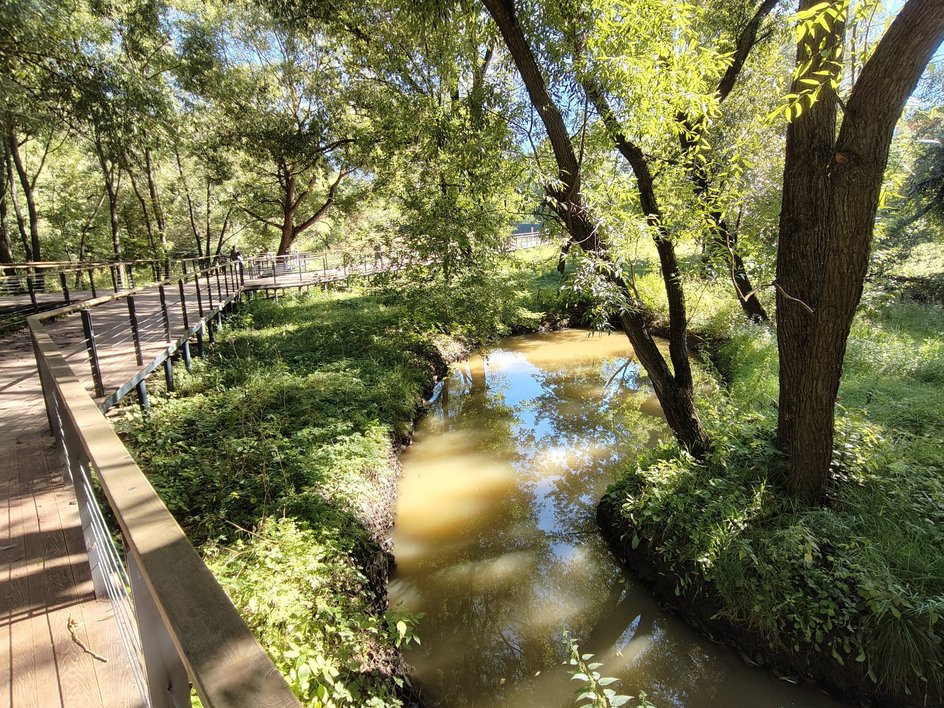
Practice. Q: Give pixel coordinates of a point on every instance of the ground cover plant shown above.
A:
(277, 457)
(857, 583)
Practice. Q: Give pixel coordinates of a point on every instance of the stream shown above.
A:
(497, 546)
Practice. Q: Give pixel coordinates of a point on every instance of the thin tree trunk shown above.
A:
(674, 389)
(208, 233)
(83, 235)
(156, 208)
(190, 209)
(112, 185)
(28, 192)
(148, 226)
(18, 212)
(6, 247)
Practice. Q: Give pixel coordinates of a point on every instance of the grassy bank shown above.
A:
(277, 456)
(850, 593)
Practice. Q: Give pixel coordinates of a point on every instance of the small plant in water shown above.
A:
(594, 691)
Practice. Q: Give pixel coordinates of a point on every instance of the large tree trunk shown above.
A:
(673, 388)
(292, 202)
(831, 191)
(288, 214)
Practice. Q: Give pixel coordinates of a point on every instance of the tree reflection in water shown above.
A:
(496, 541)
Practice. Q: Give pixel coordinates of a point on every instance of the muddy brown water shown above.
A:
(496, 543)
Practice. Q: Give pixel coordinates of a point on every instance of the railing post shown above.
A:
(141, 388)
(183, 305)
(92, 351)
(63, 281)
(168, 684)
(196, 283)
(135, 332)
(275, 265)
(169, 373)
(114, 277)
(219, 289)
(164, 315)
(185, 349)
(32, 292)
(209, 291)
(91, 275)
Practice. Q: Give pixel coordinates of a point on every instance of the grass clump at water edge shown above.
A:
(859, 579)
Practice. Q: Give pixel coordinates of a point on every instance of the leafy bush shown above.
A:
(303, 597)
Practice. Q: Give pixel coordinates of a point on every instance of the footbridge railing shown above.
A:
(178, 626)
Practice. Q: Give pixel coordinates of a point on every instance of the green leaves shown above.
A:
(594, 691)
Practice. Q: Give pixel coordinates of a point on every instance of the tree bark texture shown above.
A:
(673, 388)
(830, 198)
(293, 200)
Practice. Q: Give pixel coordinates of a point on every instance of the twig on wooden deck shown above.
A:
(73, 625)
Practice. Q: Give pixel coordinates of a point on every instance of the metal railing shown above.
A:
(176, 623)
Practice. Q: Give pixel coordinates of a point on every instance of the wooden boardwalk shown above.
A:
(59, 645)
(53, 632)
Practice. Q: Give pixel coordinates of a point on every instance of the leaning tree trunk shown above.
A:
(831, 193)
(673, 386)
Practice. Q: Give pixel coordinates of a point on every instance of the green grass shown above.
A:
(274, 456)
(860, 579)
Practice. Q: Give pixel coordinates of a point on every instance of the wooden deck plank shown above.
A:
(33, 671)
(63, 597)
(44, 574)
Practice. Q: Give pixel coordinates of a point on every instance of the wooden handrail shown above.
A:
(184, 617)
(189, 630)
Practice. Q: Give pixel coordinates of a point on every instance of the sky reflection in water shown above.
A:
(495, 537)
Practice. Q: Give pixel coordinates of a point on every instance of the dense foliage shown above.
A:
(859, 578)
